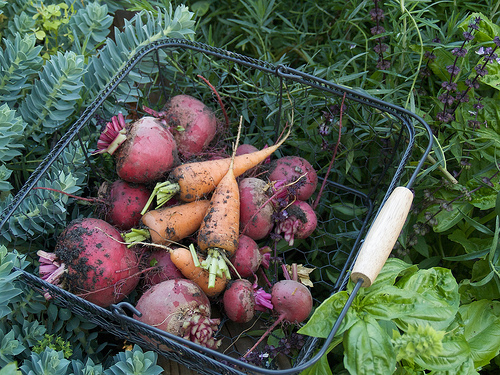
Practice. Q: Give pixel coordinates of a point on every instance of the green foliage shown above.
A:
(55, 343)
(408, 319)
(135, 362)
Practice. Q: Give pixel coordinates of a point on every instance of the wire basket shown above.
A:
(366, 142)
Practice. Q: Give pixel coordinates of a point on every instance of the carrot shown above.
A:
(173, 223)
(188, 262)
(218, 234)
(170, 224)
(191, 181)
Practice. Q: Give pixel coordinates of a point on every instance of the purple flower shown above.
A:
(444, 117)
(478, 106)
(446, 98)
(377, 30)
(453, 70)
(449, 86)
(460, 52)
(496, 40)
(429, 55)
(464, 97)
(383, 64)
(472, 84)
(380, 48)
(481, 71)
(468, 36)
(377, 14)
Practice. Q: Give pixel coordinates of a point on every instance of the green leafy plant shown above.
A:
(409, 321)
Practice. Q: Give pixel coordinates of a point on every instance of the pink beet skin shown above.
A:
(161, 268)
(247, 258)
(239, 301)
(290, 169)
(125, 203)
(192, 123)
(256, 209)
(291, 300)
(300, 223)
(90, 261)
(181, 308)
(149, 152)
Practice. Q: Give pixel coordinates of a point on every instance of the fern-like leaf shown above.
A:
(55, 95)
(141, 30)
(91, 25)
(41, 213)
(19, 62)
(11, 134)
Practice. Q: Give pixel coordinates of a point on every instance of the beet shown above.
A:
(191, 122)
(160, 268)
(289, 169)
(247, 258)
(256, 209)
(125, 202)
(239, 301)
(300, 222)
(144, 150)
(242, 299)
(90, 261)
(181, 308)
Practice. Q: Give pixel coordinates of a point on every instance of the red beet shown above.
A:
(256, 209)
(300, 222)
(242, 299)
(289, 169)
(239, 302)
(192, 123)
(179, 307)
(90, 261)
(144, 150)
(247, 258)
(162, 268)
(125, 202)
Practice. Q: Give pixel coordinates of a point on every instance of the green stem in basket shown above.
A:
(163, 191)
(135, 236)
(316, 202)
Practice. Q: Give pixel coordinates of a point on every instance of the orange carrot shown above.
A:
(168, 224)
(191, 181)
(184, 260)
(173, 223)
(218, 234)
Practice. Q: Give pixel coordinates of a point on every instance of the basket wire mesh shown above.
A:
(373, 156)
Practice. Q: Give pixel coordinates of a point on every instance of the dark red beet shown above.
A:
(181, 308)
(90, 261)
(125, 202)
(239, 301)
(290, 169)
(162, 268)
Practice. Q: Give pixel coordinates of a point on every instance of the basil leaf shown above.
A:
(482, 329)
(324, 317)
(368, 349)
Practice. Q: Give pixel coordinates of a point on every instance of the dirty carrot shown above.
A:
(170, 224)
(188, 262)
(191, 181)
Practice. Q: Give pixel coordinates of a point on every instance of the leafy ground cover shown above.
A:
(437, 59)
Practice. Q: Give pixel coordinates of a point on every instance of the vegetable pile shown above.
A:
(210, 238)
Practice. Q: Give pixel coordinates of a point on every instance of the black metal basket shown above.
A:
(372, 154)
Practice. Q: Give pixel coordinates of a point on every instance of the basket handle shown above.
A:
(382, 236)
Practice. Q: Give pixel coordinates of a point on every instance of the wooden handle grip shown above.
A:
(382, 236)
